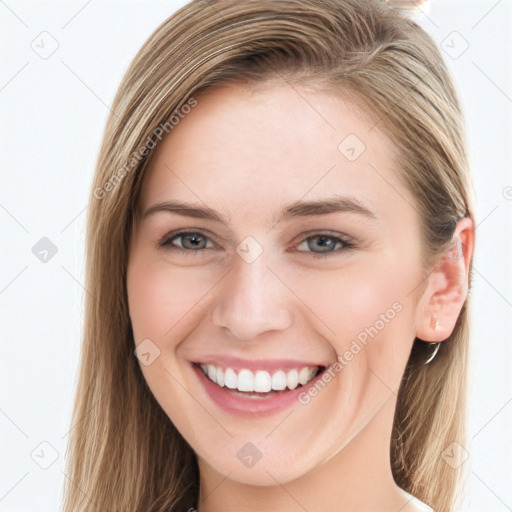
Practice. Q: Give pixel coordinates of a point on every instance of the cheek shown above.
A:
(369, 312)
(161, 302)
(160, 297)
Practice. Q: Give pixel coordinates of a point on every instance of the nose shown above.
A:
(252, 300)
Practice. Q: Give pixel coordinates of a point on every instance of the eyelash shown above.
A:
(346, 243)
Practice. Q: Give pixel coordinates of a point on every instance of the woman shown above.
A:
(279, 254)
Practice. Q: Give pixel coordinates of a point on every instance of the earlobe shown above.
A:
(434, 323)
(447, 286)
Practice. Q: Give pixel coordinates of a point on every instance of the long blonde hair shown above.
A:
(124, 453)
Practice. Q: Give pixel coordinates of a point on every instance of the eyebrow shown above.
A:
(297, 209)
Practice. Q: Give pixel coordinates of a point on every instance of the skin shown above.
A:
(246, 155)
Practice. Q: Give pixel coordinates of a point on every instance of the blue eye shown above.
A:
(195, 242)
(192, 239)
(328, 242)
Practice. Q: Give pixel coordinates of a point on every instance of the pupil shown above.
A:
(324, 242)
(196, 240)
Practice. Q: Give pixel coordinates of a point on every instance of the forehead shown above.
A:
(242, 151)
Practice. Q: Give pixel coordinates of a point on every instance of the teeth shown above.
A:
(292, 379)
(245, 381)
(304, 376)
(230, 378)
(261, 381)
(212, 372)
(279, 380)
(219, 377)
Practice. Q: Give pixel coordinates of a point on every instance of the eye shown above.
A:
(191, 242)
(327, 244)
(195, 242)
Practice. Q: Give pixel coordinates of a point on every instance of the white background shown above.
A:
(52, 116)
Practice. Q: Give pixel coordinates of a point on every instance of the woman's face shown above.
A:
(275, 281)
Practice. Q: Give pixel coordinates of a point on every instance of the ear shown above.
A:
(447, 286)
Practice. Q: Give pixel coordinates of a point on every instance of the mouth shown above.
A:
(260, 383)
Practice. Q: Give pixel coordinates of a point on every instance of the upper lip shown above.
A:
(256, 364)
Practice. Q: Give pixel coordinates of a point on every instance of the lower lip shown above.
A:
(234, 403)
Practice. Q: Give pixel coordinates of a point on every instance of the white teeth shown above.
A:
(212, 372)
(245, 381)
(261, 381)
(279, 380)
(220, 377)
(230, 378)
(304, 375)
(292, 379)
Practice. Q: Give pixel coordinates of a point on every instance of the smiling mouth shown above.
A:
(261, 383)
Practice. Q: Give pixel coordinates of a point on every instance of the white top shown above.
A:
(422, 506)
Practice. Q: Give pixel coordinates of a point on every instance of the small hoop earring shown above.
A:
(434, 352)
